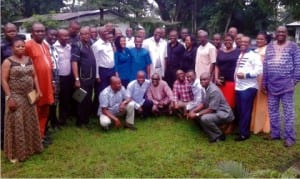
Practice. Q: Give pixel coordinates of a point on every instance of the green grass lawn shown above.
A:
(161, 147)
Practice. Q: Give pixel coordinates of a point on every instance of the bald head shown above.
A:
(10, 31)
(205, 79)
(63, 36)
(202, 37)
(281, 34)
(233, 31)
(115, 83)
(140, 77)
(38, 32)
(85, 34)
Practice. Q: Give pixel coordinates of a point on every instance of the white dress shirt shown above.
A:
(64, 58)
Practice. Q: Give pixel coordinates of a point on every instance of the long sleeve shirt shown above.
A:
(160, 94)
(137, 92)
(250, 65)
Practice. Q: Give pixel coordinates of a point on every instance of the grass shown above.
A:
(162, 147)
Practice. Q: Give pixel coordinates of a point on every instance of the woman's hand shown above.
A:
(12, 105)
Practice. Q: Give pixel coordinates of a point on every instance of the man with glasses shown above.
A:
(160, 94)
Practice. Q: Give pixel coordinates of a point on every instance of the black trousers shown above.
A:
(84, 108)
(147, 108)
(105, 74)
(66, 103)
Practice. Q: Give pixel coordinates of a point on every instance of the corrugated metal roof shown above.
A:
(296, 23)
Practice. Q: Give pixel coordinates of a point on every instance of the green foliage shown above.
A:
(46, 20)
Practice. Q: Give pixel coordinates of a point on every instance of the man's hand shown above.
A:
(240, 75)
(77, 84)
(122, 107)
(264, 90)
(98, 80)
(191, 115)
(117, 123)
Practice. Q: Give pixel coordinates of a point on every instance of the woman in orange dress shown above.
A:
(260, 121)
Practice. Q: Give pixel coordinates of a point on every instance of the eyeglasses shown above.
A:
(155, 79)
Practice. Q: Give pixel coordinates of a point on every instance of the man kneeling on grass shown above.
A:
(114, 103)
(213, 111)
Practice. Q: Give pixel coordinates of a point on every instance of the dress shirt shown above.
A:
(64, 58)
(250, 65)
(112, 99)
(140, 61)
(137, 92)
(198, 94)
(130, 42)
(182, 91)
(104, 55)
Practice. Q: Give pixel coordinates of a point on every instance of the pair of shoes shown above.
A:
(271, 138)
(130, 126)
(288, 143)
(241, 138)
(218, 139)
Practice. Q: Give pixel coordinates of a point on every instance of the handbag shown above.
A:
(32, 96)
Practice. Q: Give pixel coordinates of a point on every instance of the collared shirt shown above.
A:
(215, 100)
(250, 65)
(158, 53)
(112, 99)
(175, 54)
(53, 54)
(140, 61)
(64, 58)
(161, 93)
(130, 42)
(83, 55)
(137, 92)
(123, 63)
(182, 91)
(206, 56)
(104, 55)
(198, 93)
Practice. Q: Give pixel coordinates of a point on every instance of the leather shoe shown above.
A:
(241, 138)
(271, 138)
(218, 139)
(130, 126)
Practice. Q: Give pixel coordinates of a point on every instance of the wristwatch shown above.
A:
(77, 79)
(7, 98)
(197, 114)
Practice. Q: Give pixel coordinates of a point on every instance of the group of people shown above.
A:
(217, 83)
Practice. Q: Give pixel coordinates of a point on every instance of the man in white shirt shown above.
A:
(66, 79)
(248, 67)
(129, 38)
(158, 52)
(206, 55)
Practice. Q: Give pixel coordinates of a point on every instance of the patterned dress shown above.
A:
(21, 130)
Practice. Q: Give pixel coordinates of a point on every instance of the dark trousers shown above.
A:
(147, 108)
(244, 104)
(66, 103)
(105, 74)
(84, 108)
(52, 118)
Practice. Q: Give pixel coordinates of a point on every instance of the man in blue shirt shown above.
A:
(137, 90)
(140, 58)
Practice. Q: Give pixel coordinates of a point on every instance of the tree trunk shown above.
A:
(228, 22)
(101, 16)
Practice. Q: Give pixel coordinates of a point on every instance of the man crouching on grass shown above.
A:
(213, 111)
(114, 103)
